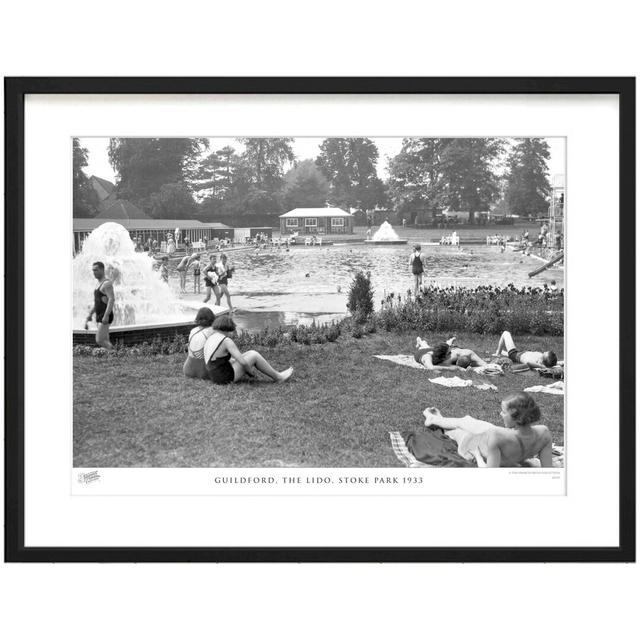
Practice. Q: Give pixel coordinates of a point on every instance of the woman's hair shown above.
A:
(205, 317)
(417, 247)
(223, 257)
(463, 361)
(549, 359)
(440, 353)
(523, 408)
(224, 323)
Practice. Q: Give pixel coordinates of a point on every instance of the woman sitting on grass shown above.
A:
(194, 364)
(225, 363)
(508, 446)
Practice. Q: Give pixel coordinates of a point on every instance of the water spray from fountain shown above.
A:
(141, 296)
(386, 235)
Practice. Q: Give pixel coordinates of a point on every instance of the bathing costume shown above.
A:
(220, 369)
(208, 281)
(525, 357)
(100, 302)
(420, 353)
(194, 364)
(184, 263)
(221, 270)
(197, 340)
(416, 265)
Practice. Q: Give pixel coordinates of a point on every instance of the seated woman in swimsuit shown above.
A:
(225, 363)
(194, 364)
(520, 439)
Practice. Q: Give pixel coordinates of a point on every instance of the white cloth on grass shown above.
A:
(556, 388)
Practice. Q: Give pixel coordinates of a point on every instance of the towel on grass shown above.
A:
(406, 361)
(428, 448)
(410, 361)
(459, 382)
(556, 388)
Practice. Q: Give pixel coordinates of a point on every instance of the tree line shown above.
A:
(183, 178)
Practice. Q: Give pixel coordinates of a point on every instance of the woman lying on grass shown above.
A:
(194, 366)
(445, 356)
(225, 363)
(520, 439)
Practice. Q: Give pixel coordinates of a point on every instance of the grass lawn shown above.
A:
(336, 411)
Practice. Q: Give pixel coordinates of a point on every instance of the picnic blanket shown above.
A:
(409, 361)
(459, 382)
(556, 388)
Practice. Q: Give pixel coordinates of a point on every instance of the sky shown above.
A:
(302, 147)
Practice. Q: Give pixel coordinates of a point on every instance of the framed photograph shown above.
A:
(320, 319)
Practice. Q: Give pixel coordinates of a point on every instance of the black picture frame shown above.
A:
(15, 91)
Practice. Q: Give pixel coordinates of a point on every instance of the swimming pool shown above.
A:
(313, 282)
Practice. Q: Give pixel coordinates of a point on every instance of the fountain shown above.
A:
(145, 306)
(386, 235)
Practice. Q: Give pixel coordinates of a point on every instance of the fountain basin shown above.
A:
(135, 334)
(398, 241)
(139, 333)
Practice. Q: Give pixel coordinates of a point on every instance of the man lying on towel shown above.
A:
(444, 356)
(532, 359)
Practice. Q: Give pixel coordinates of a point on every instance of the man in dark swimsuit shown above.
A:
(103, 303)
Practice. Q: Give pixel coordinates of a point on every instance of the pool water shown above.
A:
(309, 283)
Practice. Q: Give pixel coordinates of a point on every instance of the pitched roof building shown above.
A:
(316, 220)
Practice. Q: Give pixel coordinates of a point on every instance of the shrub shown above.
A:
(484, 310)
(360, 302)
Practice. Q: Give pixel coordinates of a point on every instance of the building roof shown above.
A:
(102, 187)
(122, 210)
(132, 224)
(313, 212)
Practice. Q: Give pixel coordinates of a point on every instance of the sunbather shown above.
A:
(533, 359)
(444, 356)
(520, 439)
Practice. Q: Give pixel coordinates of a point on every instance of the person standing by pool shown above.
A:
(226, 364)
(416, 262)
(196, 273)
(164, 269)
(182, 268)
(223, 270)
(211, 279)
(104, 301)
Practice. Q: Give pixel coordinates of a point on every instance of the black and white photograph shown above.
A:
(342, 310)
(333, 302)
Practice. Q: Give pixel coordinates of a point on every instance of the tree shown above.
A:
(265, 159)
(468, 167)
(85, 199)
(172, 201)
(416, 186)
(305, 186)
(144, 165)
(349, 165)
(528, 187)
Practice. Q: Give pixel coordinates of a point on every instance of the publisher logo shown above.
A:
(87, 478)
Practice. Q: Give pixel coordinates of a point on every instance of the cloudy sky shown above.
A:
(303, 148)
